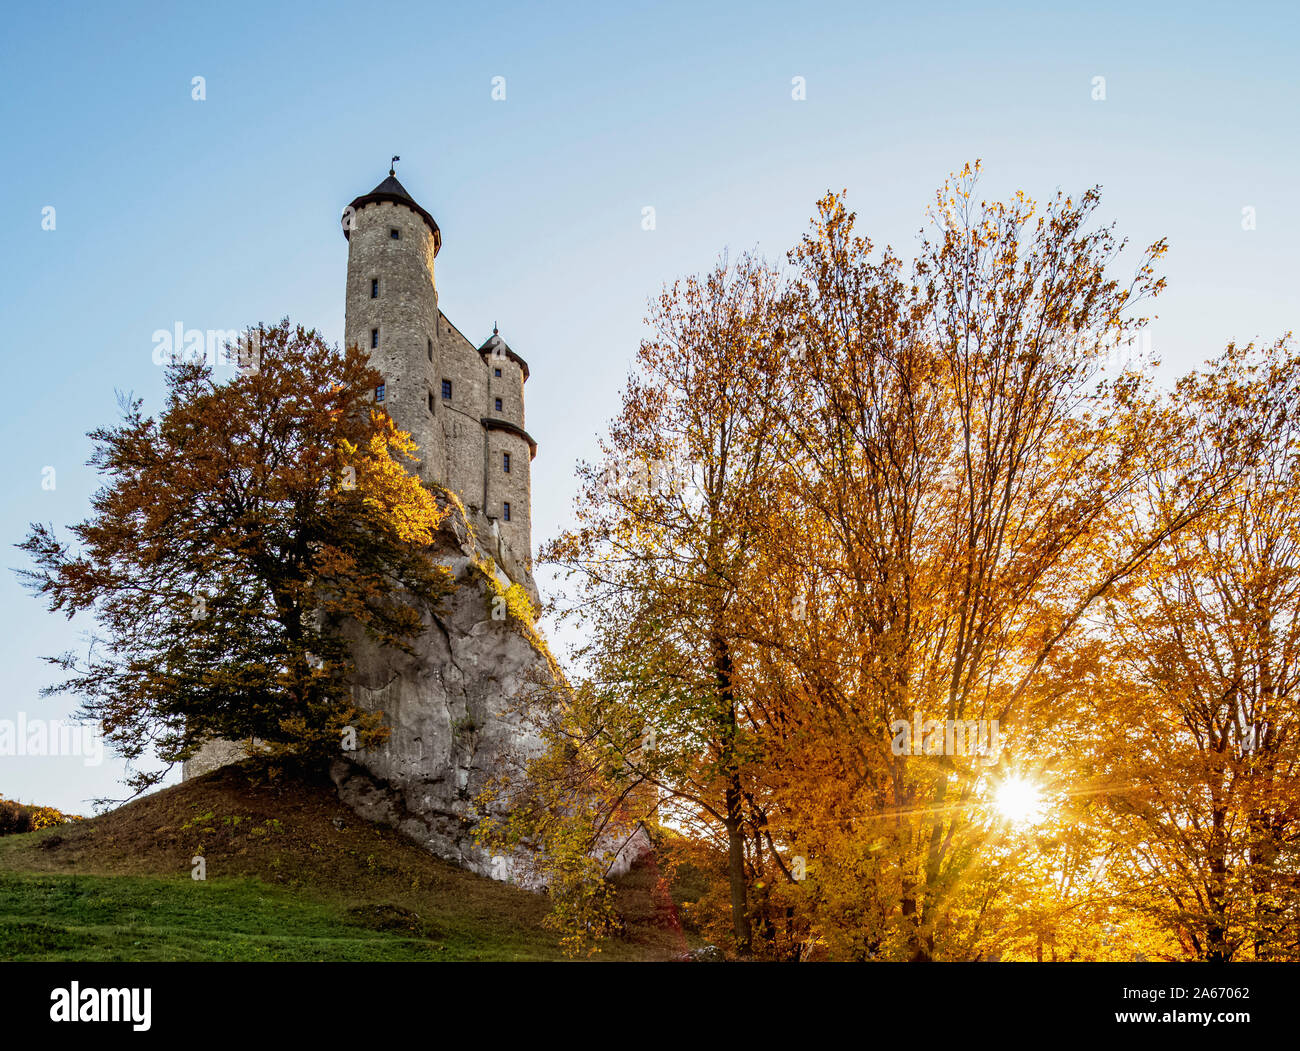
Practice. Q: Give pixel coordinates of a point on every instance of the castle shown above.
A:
(464, 703)
(463, 406)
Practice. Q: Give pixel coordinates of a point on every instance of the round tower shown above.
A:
(508, 450)
(391, 310)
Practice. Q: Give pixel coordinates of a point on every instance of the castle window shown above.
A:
(430, 350)
(498, 405)
(374, 337)
(446, 390)
(505, 462)
(379, 393)
(496, 372)
(394, 233)
(505, 510)
(374, 288)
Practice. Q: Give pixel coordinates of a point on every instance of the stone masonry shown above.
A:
(463, 707)
(463, 405)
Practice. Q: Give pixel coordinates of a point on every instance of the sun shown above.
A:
(1019, 801)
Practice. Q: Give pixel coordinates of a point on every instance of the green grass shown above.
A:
(128, 918)
(292, 875)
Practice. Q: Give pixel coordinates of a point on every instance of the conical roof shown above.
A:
(495, 345)
(393, 191)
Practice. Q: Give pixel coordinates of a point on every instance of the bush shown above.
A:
(17, 818)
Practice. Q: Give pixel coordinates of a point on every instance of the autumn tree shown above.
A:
(234, 537)
(661, 557)
(960, 444)
(865, 495)
(1201, 709)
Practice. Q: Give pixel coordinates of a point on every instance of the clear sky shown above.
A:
(218, 213)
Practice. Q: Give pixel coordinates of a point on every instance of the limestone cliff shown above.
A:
(457, 707)
(460, 709)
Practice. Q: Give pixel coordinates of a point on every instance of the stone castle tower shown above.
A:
(464, 705)
(464, 406)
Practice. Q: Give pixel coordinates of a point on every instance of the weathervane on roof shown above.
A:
(393, 166)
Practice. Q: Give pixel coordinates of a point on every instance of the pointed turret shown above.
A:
(395, 193)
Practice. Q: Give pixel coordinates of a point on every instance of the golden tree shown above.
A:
(958, 450)
(845, 571)
(663, 559)
(1201, 710)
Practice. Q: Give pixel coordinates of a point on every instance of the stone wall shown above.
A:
(461, 418)
(214, 754)
(514, 487)
(418, 349)
(405, 313)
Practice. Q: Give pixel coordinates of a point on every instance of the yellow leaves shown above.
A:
(930, 521)
(392, 491)
(376, 470)
(29, 817)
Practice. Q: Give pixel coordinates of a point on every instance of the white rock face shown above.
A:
(620, 854)
(459, 715)
(458, 710)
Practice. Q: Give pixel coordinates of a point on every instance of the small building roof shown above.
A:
(496, 346)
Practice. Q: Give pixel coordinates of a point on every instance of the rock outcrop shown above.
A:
(460, 708)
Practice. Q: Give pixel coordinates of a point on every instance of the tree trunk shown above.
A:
(735, 820)
(736, 872)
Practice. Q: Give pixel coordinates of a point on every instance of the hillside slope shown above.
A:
(291, 874)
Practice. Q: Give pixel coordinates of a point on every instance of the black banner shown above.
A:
(640, 1002)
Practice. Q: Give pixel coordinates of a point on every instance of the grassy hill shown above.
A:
(292, 874)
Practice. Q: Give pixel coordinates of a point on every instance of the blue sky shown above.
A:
(223, 212)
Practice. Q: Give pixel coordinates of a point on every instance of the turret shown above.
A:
(464, 408)
(509, 450)
(391, 309)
